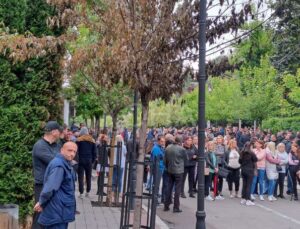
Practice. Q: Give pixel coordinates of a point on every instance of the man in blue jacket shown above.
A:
(158, 152)
(57, 203)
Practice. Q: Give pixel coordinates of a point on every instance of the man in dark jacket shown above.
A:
(57, 200)
(175, 156)
(87, 152)
(44, 150)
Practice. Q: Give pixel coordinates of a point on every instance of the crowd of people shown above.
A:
(263, 160)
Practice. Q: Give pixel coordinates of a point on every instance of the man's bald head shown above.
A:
(69, 150)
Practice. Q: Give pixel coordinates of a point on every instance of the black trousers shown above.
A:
(280, 184)
(173, 179)
(293, 171)
(37, 192)
(247, 183)
(84, 168)
(233, 178)
(164, 186)
(190, 170)
(208, 180)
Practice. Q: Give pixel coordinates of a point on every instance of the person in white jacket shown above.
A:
(272, 174)
(284, 159)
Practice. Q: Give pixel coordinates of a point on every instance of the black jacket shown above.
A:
(190, 152)
(247, 161)
(42, 153)
(87, 149)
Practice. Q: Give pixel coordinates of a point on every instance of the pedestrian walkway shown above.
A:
(101, 217)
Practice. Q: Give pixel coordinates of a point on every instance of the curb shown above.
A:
(158, 220)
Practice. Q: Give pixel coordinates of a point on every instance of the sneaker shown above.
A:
(166, 208)
(209, 198)
(87, 194)
(250, 203)
(219, 197)
(192, 196)
(177, 210)
(80, 196)
(274, 198)
(243, 201)
(252, 197)
(270, 198)
(261, 197)
(231, 196)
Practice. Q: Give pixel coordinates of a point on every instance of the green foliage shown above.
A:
(12, 14)
(278, 124)
(37, 16)
(29, 96)
(259, 44)
(263, 93)
(286, 57)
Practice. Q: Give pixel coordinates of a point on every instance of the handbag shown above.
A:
(223, 172)
(278, 168)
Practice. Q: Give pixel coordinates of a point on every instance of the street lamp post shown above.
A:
(200, 214)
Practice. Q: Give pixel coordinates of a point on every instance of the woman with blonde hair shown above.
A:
(272, 161)
(284, 159)
(260, 153)
(232, 157)
(211, 167)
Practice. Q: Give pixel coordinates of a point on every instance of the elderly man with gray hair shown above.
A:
(87, 152)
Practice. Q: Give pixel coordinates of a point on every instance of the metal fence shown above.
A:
(103, 160)
(149, 197)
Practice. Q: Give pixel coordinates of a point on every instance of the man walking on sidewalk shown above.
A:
(175, 156)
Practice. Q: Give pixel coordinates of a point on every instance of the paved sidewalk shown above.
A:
(95, 217)
(101, 217)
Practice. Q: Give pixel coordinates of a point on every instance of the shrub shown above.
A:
(29, 96)
(278, 124)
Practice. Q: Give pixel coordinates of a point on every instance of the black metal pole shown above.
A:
(200, 214)
(134, 152)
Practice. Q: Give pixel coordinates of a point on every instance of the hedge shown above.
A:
(278, 124)
(29, 96)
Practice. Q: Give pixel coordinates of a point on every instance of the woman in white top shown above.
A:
(118, 174)
(232, 157)
(284, 160)
(272, 161)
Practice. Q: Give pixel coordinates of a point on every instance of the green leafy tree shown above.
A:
(286, 57)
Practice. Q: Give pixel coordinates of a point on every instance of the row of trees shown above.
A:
(142, 45)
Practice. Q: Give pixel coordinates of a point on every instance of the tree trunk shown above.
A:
(111, 161)
(92, 121)
(104, 117)
(97, 125)
(140, 167)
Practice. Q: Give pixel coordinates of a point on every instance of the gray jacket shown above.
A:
(175, 156)
(42, 153)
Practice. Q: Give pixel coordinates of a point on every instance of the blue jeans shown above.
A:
(118, 182)
(260, 177)
(272, 184)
